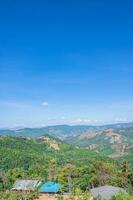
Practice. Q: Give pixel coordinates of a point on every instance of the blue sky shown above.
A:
(65, 62)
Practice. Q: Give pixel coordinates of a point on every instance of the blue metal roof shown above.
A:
(50, 187)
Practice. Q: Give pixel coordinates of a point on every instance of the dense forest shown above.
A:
(23, 158)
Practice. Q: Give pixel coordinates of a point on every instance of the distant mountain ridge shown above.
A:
(60, 130)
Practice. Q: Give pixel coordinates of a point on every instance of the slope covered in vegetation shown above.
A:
(111, 140)
(23, 158)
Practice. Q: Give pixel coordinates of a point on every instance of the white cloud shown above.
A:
(45, 104)
(81, 121)
(86, 121)
(120, 119)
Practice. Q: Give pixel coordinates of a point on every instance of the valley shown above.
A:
(114, 140)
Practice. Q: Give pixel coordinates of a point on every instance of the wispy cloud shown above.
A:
(86, 121)
(45, 104)
(121, 120)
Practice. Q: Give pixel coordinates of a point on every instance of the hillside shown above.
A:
(48, 158)
(114, 140)
(25, 152)
(60, 131)
(26, 157)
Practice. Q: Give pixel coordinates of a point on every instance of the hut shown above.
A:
(106, 192)
(26, 185)
(50, 187)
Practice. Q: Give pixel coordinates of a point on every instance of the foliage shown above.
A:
(77, 169)
(122, 197)
(18, 196)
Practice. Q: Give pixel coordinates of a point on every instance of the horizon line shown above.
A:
(49, 125)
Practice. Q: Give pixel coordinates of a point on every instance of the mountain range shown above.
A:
(114, 140)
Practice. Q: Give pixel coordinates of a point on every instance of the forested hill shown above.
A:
(29, 158)
(27, 152)
(49, 159)
(114, 140)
